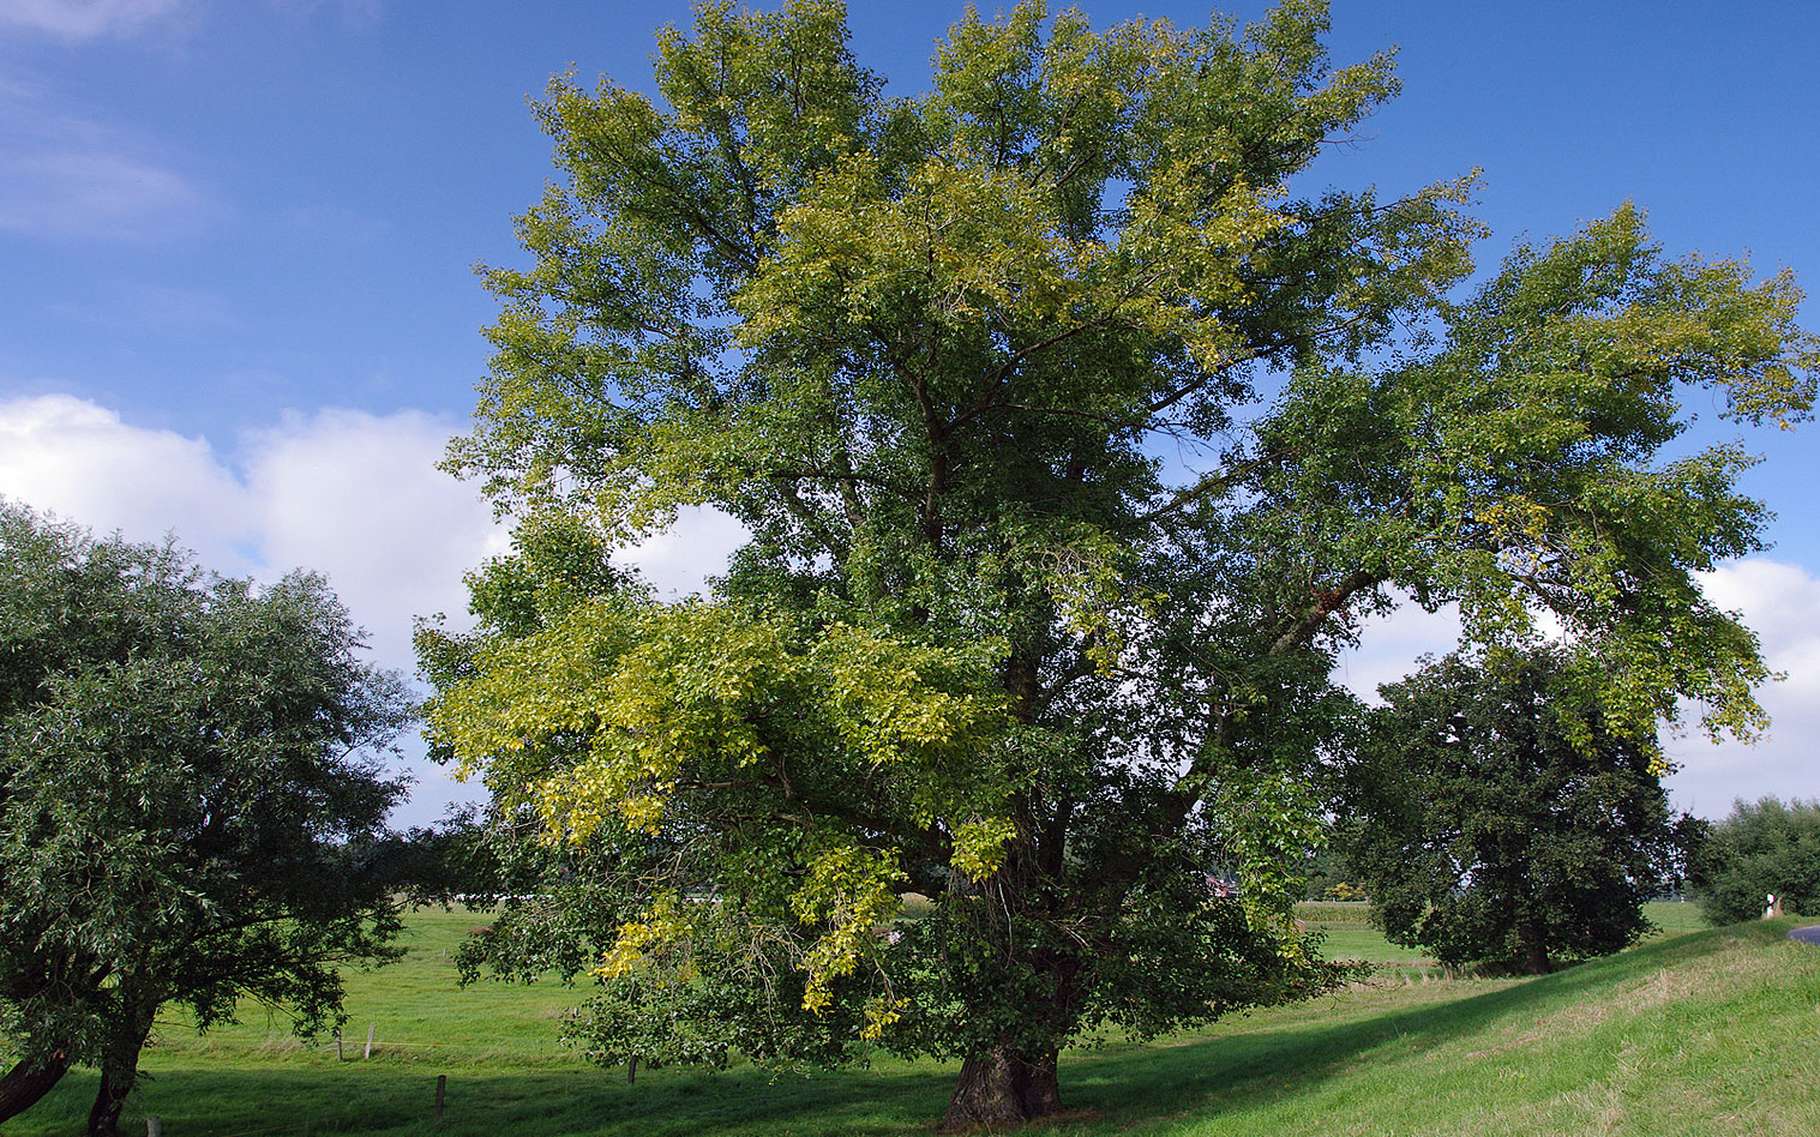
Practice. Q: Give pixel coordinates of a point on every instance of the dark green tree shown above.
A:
(1330, 874)
(1762, 848)
(189, 767)
(1074, 429)
(452, 861)
(1495, 817)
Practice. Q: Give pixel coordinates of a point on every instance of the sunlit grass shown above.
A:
(1708, 1032)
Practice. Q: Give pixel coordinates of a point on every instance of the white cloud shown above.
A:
(79, 459)
(679, 560)
(351, 494)
(85, 19)
(1389, 646)
(357, 496)
(96, 194)
(354, 495)
(1781, 602)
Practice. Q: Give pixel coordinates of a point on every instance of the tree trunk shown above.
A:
(119, 1073)
(1000, 1088)
(1535, 955)
(1042, 1095)
(24, 1084)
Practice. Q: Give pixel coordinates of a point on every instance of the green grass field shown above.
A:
(1346, 926)
(1708, 1032)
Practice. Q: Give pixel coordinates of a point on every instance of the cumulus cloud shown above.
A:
(351, 494)
(86, 19)
(80, 460)
(357, 496)
(1781, 602)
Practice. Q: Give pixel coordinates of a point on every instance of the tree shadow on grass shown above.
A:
(1119, 1087)
(1247, 1070)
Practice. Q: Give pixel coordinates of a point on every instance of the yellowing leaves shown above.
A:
(979, 846)
(895, 701)
(613, 711)
(662, 926)
(882, 1012)
(850, 891)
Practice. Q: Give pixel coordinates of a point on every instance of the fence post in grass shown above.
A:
(153, 1126)
(442, 1084)
(337, 1044)
(371, 1027)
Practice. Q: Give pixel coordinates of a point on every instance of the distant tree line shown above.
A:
(1762, 848)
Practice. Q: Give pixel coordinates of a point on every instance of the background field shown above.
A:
(1346, 926)
(1709, 1031)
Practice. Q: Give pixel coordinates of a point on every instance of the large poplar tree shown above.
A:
(1074, 428)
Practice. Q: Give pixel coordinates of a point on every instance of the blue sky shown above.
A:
(238, 238)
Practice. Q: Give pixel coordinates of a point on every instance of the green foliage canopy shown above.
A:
(1762, 848)
(1046, 566)
(188, 774)
(1496, 818)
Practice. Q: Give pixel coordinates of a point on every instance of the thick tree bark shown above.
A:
(999, 1088)
(1041, 1093)
(110, 1100)
(1535, 955)
(119, 1072)
(24, 1084)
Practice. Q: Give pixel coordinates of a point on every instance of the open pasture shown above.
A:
(1693, 1031)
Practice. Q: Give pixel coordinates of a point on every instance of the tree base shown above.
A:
(1001, 1089)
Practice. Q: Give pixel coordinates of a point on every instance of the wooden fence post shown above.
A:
(442, 1084)
(154, 1127)
(371, 1027)
(337, 1044)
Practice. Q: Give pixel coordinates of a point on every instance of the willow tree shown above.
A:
(1073, 435)
(191, 785)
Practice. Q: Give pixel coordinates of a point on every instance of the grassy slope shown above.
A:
(1710, 1032)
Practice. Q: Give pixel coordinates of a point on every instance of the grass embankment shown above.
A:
(1709, 1032)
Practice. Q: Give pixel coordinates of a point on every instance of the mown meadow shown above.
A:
(1695, 1030)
